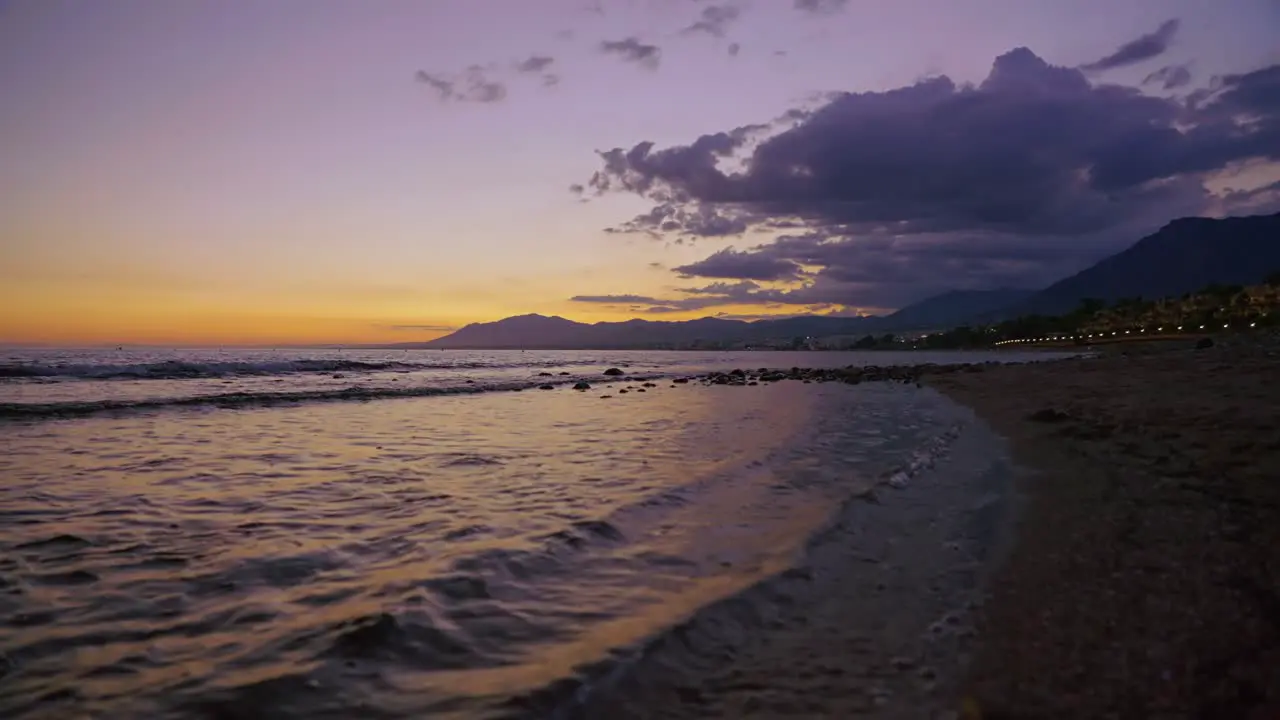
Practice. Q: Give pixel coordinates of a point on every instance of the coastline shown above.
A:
(1144, 579)
(1140, 581)
(1130, 570)
(872, 619)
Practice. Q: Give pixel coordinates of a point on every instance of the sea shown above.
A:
(251, 533)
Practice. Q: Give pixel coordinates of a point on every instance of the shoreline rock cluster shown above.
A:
(851, 375)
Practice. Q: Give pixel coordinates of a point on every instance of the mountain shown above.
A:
(1183, 256)
(957, 307)
(545, 333)
(531, 331)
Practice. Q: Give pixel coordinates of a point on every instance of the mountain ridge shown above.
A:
(1183, 256)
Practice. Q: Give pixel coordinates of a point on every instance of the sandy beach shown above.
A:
(1145, 580)
(1140, 578)
(1074, 538)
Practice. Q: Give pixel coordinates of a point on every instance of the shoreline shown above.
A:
(874, 618)
(1137, 574)
(1098, 541)
(1144, 580)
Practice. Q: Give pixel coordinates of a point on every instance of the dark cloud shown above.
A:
(700, 220)
(820, 7)
(718, 294)
(1255, 93)
(614, 299)
(1017, 181)
(632, 50)
(473, 86)
(734, 49)
(539, 65)
(891, 272)
(675, 213)
(1169, 77)
(695, 298)
(1263, 200)
(723, 288)
(752, 317)
(731, 263)
(715, 20)
(535, 63)
(443, 87)
(1143, 48)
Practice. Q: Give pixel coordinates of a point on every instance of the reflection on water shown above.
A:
(399, 557)
(41, 383)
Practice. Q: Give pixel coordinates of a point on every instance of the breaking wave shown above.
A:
(258, 399)
(182, 370)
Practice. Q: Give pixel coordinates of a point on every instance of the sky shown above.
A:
(296, 171)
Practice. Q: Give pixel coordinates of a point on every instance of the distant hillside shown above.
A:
(1183, 256)
(954, 308)
(540, 332)
(532, 332)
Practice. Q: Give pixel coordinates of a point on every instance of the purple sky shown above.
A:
(320, 169)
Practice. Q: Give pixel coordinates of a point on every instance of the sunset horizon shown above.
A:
(629, 359)
(205, 175)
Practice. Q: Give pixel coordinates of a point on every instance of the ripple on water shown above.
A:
(277, 563)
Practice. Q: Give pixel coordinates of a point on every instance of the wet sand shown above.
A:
(1145, 581)
(1139, 576)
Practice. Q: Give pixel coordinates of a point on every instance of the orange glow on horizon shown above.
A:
(125, 324)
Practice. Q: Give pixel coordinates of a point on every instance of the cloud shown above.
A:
(539, 65)
(889, 272)
(444, 88)
(753, 317)
(734, 49)
(890, 196)
(472, 86)
(632, 50)
(698, 220)
(1138, 50)
(1255, 94)
(614, 299)
(1169, 77)
(731, 263)
(723, 288)
(820, 7)
(714, 20)
(695, 298)
(535, 63)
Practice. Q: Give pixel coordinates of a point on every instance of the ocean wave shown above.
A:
(190, 370)
(245, 399)
(713, 634)
(232, 400)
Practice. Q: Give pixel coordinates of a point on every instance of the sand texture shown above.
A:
(1142, 580)
(1145, 582)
